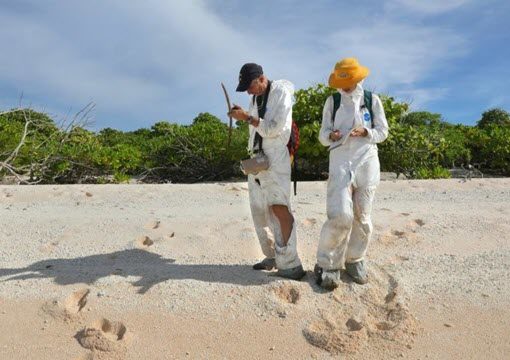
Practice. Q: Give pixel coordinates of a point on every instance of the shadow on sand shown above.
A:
(149, 267)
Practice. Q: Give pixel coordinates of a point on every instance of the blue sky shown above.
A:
(153, 60)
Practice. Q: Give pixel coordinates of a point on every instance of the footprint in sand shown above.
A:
(86, 357)
(104, 335)
(400, 258)
(49, 247)
(419, 222)
(309, 221)
(410, 233)
(355, 319)
(153, 224)
(144, 242)
(401, 236)
(288, 293)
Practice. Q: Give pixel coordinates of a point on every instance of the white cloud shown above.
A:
(400, 53)
(427, 7)
(418, 98)
(135, 58)
(163, 59)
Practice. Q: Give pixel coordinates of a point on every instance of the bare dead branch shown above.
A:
(41, 166)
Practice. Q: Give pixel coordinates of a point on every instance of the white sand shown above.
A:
(164, 272)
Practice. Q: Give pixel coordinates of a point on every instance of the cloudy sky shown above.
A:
(145, 61)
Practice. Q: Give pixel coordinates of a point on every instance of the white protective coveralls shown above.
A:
(272, 186)
(353, 177)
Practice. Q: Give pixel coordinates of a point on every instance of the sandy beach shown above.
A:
(164, 272)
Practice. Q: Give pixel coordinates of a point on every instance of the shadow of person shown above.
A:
(149, 267)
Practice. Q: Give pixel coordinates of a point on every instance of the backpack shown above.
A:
(367, 99)
(292, 144)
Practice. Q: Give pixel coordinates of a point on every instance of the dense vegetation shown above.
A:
(34, 149)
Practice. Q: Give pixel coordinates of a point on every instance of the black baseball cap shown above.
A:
(248, 73)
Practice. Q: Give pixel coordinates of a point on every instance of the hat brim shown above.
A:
(344, 83)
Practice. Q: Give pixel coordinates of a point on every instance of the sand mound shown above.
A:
(153, 224)
(144, 242)
(408, 235)
(76, 301)
(374, 315)
(287, 292)
(104, 335)
(68, 309)
(336, 335)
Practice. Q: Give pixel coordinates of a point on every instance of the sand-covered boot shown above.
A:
(330, 279)
(357, 272)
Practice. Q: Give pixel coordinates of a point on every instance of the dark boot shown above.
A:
(295, 273)
(266, 264)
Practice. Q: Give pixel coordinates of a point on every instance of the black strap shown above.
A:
(367, 100)
(261, 107)
(337, 98)
(294, 172)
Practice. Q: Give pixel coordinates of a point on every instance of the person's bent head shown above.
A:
(252, 79)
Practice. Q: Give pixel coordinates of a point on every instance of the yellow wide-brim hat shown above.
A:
(347, 73)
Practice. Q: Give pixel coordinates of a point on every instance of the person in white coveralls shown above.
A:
(353, 123)
(270, 121)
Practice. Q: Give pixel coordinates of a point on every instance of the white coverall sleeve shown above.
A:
(379, 132)
(327, 124)
(282, 102)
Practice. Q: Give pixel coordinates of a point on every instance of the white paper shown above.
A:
(341, 141)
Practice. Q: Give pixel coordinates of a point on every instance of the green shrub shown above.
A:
(437, 172)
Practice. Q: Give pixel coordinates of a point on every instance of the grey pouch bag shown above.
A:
(260, 161)
(255, 164)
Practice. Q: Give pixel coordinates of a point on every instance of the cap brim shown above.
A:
(243, 86)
